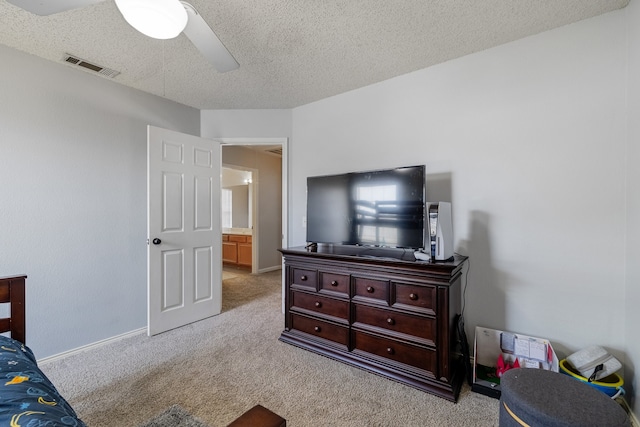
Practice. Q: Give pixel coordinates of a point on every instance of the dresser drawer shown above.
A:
(414, 297)
(417, 328)
(335, 283)
(319, 304)
(302, 277)
(318, 328)
(371, 289)
(237, 238)
(415, 356)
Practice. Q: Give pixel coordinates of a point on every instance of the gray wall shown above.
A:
(246, 123)
(632, 297)
(73, 198)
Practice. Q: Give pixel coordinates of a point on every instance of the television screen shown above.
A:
(377, 208)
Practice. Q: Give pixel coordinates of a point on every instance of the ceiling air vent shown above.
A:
(276, 151)
(78, 62)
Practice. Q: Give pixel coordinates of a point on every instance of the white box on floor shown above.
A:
(490, 344)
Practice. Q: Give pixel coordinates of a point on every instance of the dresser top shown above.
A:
(367, 254)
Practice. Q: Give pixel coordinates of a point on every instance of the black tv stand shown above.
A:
(374, 252)
(399, 254)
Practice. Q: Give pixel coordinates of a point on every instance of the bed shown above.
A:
(27, 396)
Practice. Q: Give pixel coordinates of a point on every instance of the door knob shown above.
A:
(156, 241)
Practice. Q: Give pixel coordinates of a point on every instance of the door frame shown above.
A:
(284, 142)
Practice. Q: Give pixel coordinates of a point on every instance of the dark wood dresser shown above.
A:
(377, 309)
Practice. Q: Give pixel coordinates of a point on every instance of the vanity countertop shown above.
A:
(240, 231)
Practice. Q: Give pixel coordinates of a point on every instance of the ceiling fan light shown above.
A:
(160, 19)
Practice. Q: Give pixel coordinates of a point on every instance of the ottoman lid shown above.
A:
(541, 397)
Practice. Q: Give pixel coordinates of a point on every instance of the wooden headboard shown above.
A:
(12, 292)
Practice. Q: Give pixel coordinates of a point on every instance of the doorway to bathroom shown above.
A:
(253, 192)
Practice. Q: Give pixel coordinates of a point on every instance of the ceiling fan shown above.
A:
(161, 19)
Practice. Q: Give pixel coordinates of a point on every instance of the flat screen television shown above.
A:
(382, 208)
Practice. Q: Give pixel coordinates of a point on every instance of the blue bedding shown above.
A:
(27, 397)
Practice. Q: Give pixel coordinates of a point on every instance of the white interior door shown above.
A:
(185, 240)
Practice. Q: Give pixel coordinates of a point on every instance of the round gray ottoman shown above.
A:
(536, 397)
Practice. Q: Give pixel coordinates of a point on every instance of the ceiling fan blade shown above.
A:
(203, 37)
(49, 7)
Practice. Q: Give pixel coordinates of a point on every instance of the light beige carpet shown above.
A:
(226, 275)
(220, 367)
(174, 416)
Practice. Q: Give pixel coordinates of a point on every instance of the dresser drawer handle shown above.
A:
(317, 328)
(334, 283)
(318, 304)
(391, 321)
(303, 278)
(390, 350)
(413, 297)
(370, 289)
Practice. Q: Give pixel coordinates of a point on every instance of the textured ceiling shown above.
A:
(291, 52)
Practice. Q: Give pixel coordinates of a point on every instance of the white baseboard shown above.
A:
(84, 348)
(268, 269)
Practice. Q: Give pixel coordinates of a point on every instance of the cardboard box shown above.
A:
(490, 344)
